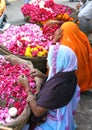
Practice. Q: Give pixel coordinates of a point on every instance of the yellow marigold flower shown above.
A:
(40, 54)
(65, 16)
(35, 49)
(45, 52)
(59, 16)
(28, 52)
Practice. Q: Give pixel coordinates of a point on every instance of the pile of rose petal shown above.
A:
(26, 40)
(40, 11)
(11, 93)
(49, 31)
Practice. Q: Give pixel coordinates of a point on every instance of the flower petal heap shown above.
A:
(42, 11)
(11, 93)
(17, 38)
(49, 31)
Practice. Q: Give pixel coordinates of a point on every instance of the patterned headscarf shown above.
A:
(61, 58)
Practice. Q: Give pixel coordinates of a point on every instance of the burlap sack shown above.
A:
(16, 60)
(20, 121)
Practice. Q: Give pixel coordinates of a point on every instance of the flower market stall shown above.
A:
(41, 11)
(28, 44)
(26, 41)
(31, 41)
(14, 111)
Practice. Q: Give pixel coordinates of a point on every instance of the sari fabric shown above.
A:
(79, 43)
(62, 84)
(61, 59)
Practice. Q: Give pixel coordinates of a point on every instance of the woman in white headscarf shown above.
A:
(59, 95)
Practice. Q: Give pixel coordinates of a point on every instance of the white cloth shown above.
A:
(86, 10)
(66, 60)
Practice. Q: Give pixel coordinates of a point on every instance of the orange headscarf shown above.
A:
(78, 41)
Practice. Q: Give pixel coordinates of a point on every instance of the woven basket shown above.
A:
(38, 62)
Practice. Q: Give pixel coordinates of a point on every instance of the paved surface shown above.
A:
(14, 13)
(83, 116)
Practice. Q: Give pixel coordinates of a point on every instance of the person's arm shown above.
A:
(38, 111)
(57, 36)
(39, 77)
(51, 22)
(37, 73)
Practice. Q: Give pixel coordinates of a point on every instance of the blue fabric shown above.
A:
(62, 118)
(61, 58)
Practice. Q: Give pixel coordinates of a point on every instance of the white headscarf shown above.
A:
(61, 58)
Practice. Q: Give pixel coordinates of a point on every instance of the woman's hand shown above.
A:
(57, 36)
(37, 73)
(53, 22)
(22, 79)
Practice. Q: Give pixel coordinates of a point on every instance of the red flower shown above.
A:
(17, 105)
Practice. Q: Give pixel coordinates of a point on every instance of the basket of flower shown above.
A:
(27, 42)
(38, 62)
(42, 11)
(14, 111)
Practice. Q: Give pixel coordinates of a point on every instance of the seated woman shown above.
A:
(59, 94)
(70, 35)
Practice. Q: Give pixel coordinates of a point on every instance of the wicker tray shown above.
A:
(38, 62)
